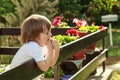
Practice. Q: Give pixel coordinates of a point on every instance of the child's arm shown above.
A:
(45, 64)
(56, 50)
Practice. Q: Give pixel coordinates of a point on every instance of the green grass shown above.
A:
(6, 59)
(115, 49)
(115, 76)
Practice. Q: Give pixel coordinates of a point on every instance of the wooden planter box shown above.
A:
(91, 48)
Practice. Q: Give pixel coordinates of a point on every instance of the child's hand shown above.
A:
(55, 44)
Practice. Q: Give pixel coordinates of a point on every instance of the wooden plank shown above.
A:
(56, 31)
(8, 50)
(83, 73)
(16, 31)
(9, 31)
(26, 71)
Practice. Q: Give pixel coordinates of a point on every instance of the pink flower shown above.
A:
(56, 21)
(84, 23)
(77, 22)
(80, 23)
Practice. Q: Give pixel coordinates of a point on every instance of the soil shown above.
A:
(112, 60)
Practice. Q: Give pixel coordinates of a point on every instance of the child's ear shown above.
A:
(40, 36)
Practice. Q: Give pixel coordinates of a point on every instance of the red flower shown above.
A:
(101, 27)
(57, 21)
(73, 32)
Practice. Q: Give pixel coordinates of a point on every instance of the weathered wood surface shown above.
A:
(9, 31)
(26, 71)
(17, 31)
(8, 50)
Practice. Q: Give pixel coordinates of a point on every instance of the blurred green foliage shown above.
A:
(64, 39)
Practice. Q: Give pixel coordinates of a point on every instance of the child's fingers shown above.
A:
(54, 43)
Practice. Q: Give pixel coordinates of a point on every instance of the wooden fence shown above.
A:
(29, 70)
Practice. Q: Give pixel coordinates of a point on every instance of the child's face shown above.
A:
(44, 37)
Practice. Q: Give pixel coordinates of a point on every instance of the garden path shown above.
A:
(112, 64)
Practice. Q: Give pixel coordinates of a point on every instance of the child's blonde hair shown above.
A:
(33, 26)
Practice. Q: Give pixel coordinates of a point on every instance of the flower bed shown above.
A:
(81, 29)
(85, 29)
